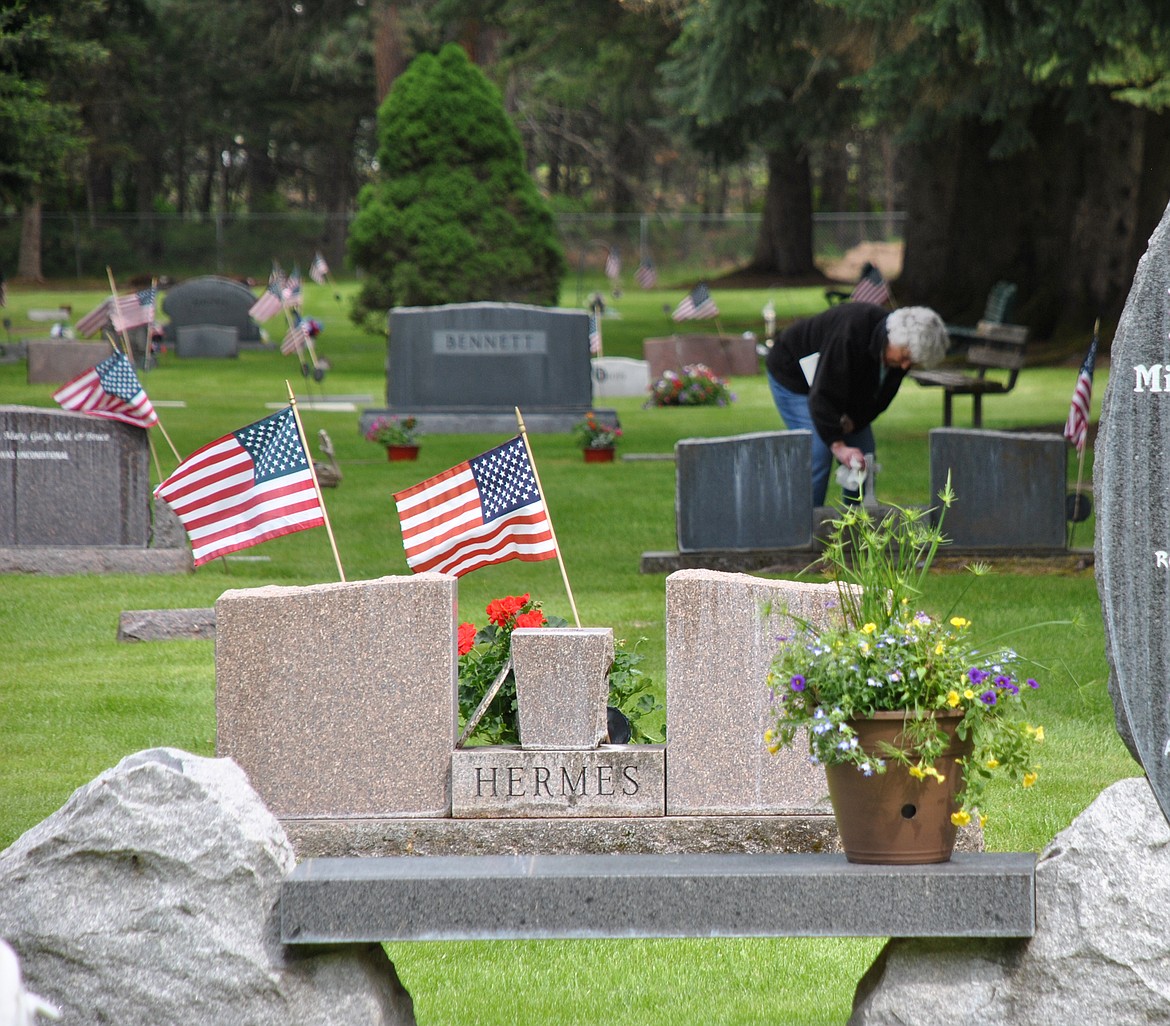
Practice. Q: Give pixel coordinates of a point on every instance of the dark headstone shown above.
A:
(55, 361)
(745, 492)
(1132, 492)
(207, 340)
(210, 301)
(166, 625)
(67, 479)
(468, 366)
(1009, 488)
(724, 355)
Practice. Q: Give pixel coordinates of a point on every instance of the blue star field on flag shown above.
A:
(505, 479)
(274, 445)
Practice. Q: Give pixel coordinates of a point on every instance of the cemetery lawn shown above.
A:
(73, 700)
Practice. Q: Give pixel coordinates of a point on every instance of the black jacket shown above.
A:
(851, 378)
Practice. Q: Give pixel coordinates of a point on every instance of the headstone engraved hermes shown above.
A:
(468, 366)
(1132, 492)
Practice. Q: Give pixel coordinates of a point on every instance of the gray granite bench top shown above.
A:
(494, 897)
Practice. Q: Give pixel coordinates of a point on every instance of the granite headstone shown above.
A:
(209, 302)
(725, 355)
(67, 479)
(1132, 492)
(750, 491)
(1009, 488)
(55, 361)
(615, 376)
(468, 366)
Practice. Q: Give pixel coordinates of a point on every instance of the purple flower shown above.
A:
(987, 698)
(1032, 683)
(797, 683)
(977, 676)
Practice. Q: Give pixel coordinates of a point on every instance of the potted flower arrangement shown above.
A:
(399, 435)
(908, 715)
(696, 385)
(597, 441)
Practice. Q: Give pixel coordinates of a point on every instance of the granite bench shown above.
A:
(497, 897)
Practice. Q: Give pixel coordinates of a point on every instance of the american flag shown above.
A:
(133, 311)
(295, 339)
(595, 334)
(697, 305)
(645, 275)
(486, 510)
(245, 488)
(270, 302)
(871, 288)
(1076, 428)
(318, 269)
(94, 321)
(111, 390)
(613, 264)
(292, 293)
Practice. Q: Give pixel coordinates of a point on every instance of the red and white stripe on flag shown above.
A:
(94, 321)
(295, 339)
(245, 488)
(133, 311)
(486, 510)
(110, 389)
(1076, 428)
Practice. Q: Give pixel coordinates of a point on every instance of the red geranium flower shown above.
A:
(466, 637)
(533, 618)
(501, 610)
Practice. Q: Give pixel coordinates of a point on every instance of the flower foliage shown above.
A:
(888, 655)
(591, 434)
(697, 385)
(484, 651)
(394, 431)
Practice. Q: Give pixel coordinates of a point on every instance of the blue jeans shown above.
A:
(794, 412)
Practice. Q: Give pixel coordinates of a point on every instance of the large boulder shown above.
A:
(1101, 952)
(152, 896)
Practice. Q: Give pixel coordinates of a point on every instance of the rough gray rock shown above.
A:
(151, 897)
(1101, 952)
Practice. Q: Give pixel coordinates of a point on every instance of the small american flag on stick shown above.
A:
(110, 389)
(485, 510)
(1076, 428)
(133, 311)
(270, 302)
(871, 288)
(696, 306)
(245, 488)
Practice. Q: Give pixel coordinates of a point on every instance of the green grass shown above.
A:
(73, 700)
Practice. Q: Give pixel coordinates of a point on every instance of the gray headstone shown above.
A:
(615, 376)
(1100, 955)
(719, 644)
(745, 492)
(725, 355)
(562, 684)
(1009, 488)
(159, 903)
(55, 361)
(68, 479)
(1132, 493)
(341, 699)
(211, 341)
(488, 356)
(210, 300)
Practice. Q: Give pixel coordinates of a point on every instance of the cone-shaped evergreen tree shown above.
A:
(454, 215)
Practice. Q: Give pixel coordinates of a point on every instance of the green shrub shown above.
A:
(454, 216)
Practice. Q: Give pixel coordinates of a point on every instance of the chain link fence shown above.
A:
(80, 246)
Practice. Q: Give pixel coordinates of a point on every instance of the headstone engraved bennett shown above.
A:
(1132, 490)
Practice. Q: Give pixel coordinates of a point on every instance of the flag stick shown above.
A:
(1080, 467)
(129, 354)
(292, 401)
(551, 530)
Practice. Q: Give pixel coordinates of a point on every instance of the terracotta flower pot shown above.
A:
(599, 455)
(401, 452)
(892, 817)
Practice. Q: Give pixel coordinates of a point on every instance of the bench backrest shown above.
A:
(1001, 301)
(998, 346)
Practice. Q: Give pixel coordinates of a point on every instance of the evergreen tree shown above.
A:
(454, 216)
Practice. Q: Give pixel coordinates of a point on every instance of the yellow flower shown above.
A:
(968, 694)
(864, 646)
(961, 818)
(991, 763)
(917, 772)
(1029, 779)
(1036, 732)
(953, 698)
(931, 771)
(869, 628)
(982, 820)
(939, 649)
(960, 622)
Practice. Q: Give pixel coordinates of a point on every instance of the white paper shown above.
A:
(808, 366)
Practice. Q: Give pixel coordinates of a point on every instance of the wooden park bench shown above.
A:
(992, 363)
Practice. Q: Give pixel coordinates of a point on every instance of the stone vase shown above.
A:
(892, 818)
(562, 685)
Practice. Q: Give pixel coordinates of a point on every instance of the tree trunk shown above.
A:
(784, 246)
(29, 264)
